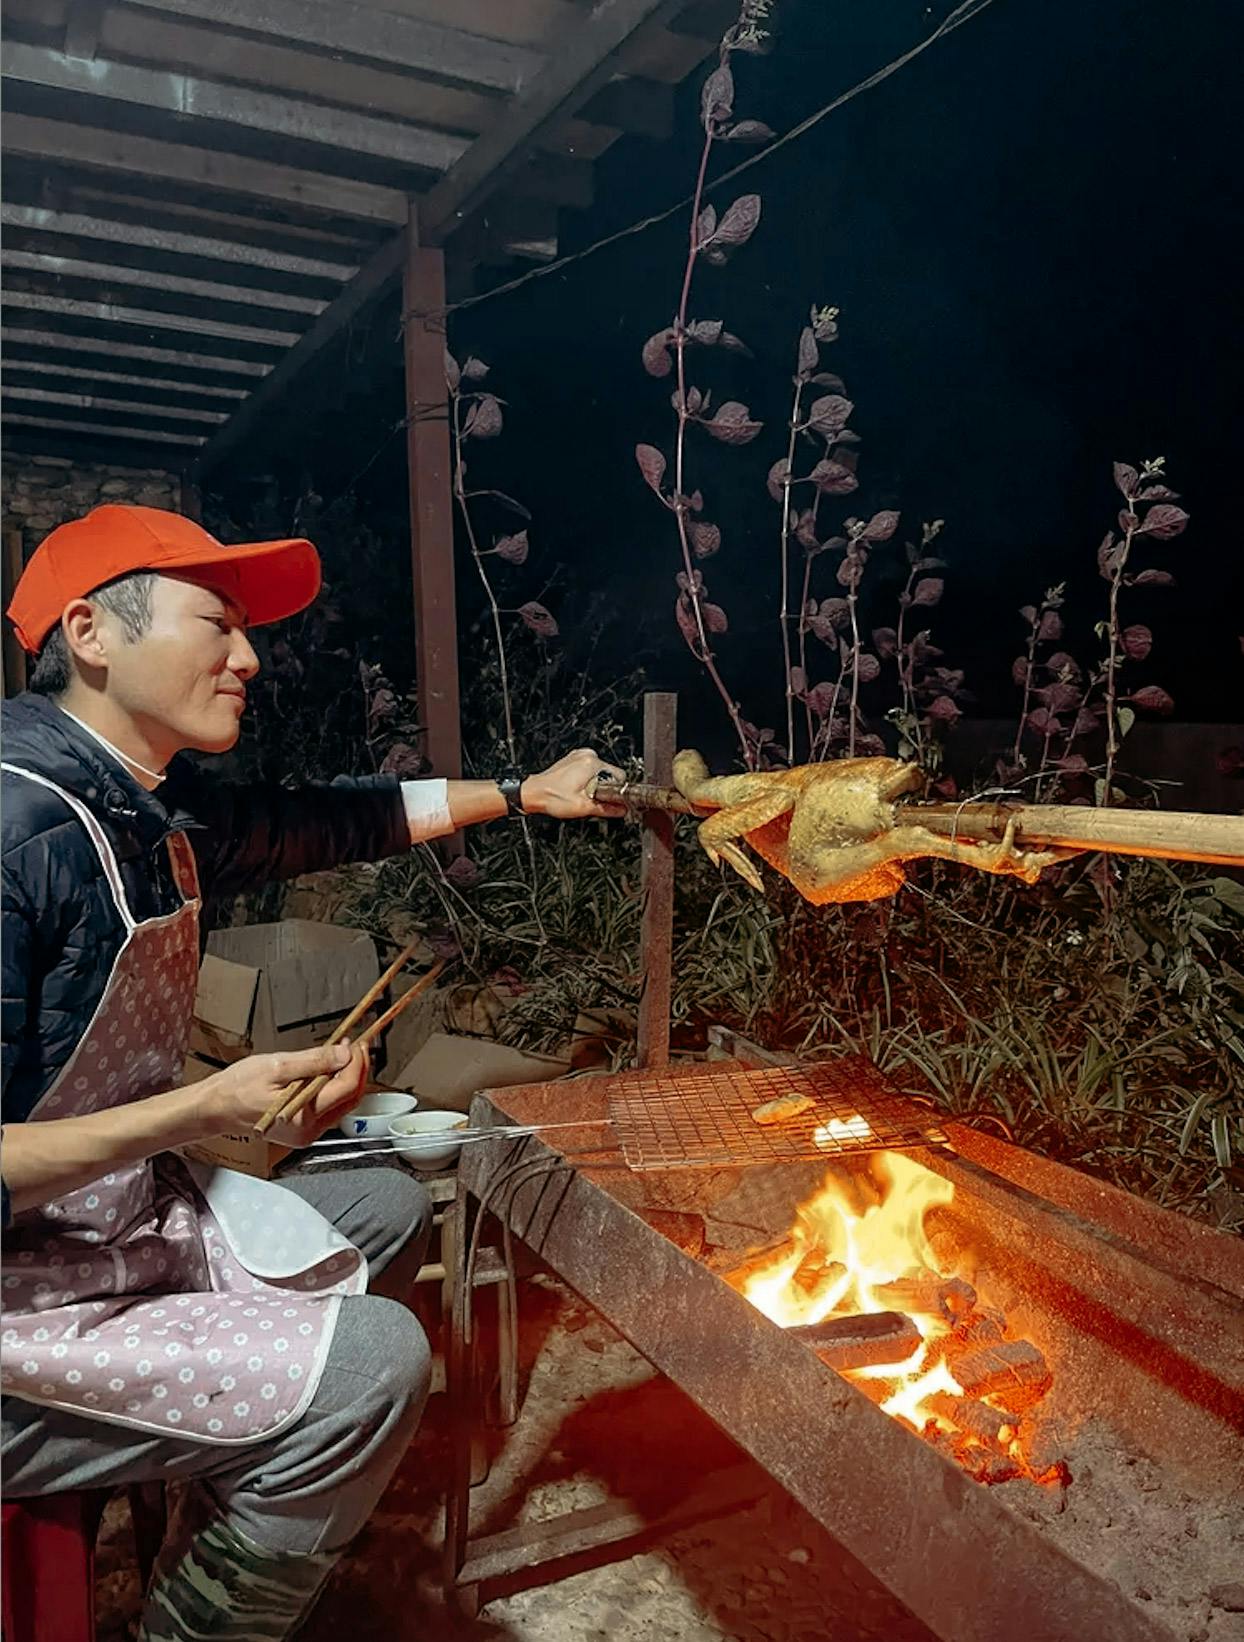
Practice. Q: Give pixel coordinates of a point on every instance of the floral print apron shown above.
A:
(164, 1296)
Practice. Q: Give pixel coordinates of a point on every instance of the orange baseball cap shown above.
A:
(270, 580)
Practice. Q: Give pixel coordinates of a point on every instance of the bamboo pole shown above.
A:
(1173, 835)
(1215, 840)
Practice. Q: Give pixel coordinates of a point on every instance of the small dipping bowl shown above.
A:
(372, 1117)
(427, 1138)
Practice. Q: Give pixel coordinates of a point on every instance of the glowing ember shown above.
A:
(838, 1129)
(906, 1402)
(859, 1246)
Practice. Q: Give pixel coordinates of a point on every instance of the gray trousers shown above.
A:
(314, 1486)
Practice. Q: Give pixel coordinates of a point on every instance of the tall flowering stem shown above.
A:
(713, 240)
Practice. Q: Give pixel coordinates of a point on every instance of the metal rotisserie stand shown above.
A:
(1152, 1306)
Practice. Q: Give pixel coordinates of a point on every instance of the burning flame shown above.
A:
(859, 1246)
(860, 1251)
(878, 1245)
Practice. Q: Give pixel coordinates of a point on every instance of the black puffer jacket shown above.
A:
(61, 933)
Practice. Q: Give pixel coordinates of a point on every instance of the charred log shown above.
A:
(985, 1465)
(933, 1296)
(1043, 1443)
(738, 1274)
(981, 1326)
(1013, 1370)
(814, 1274)
(995, 1427)
(864, 1341)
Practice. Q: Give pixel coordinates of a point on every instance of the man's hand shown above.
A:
(240, 1095)
(43, 1161)
(563, 790)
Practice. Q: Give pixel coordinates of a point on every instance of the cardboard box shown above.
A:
(448, 1071)
(264, 987)
(411, 1030)
(268, 987)
(245, 1151)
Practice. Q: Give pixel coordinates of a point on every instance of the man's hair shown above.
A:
(128, 598)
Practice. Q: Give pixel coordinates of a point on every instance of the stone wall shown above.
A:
(37, 493)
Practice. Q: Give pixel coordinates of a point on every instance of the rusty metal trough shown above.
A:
(1141, 1311)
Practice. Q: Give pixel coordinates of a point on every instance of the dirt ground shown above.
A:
(596, 1426)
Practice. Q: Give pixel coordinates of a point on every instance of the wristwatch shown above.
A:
(511, 789)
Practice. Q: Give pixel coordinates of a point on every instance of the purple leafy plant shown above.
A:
(712, 239)
(1053, 710)
(477, 414)
(1149, 514)
(823, 423)
(929, 694)
(1060, 704)
(828, 722)
(833, 720)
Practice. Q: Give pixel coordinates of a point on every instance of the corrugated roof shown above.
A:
(198, 194)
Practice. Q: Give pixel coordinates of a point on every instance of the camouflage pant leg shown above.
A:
(213, 1584)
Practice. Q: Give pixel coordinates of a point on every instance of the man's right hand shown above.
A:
(238, 1096)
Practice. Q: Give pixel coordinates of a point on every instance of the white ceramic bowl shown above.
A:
(426, 1138)
(371, 1118)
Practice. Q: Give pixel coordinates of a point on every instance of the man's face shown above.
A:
(185, 679)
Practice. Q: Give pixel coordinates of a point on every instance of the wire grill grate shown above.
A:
(704, 1118)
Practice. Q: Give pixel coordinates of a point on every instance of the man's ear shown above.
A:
(86, 639)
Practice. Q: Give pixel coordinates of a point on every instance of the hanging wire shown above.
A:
(963, 13)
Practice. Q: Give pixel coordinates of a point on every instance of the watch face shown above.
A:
(511, 788)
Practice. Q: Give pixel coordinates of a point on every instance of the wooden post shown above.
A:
(14, 655)
(431, 503)
(657, 885)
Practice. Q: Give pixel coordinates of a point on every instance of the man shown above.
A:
(162, 1321)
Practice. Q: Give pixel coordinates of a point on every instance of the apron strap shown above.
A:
(94, 832)
(185, 868)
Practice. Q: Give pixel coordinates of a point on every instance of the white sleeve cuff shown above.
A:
(427, 809)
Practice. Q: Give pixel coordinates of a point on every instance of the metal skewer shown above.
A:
(440, 1137)
(511, 1131)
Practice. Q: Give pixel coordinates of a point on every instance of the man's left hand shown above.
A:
(564, 790)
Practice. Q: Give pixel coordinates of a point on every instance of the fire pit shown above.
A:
(972, 1366)
(859, 1281)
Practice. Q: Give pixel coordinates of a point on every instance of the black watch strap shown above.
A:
(511, 789)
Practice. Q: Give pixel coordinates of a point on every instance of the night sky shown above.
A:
(1033, 235)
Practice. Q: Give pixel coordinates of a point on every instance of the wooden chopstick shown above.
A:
(339, 1032)
(295, 1096)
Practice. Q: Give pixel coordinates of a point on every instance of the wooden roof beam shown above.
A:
(22, 396)
(114, 380)
(322, 124)
(587, 62)
(102, 430)
(111, 347)
(82, 28)
(116, 151)
(112, 313)
(113, 275)
(639, 106)
(371, 35)
(574, 73)
(77, 226)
